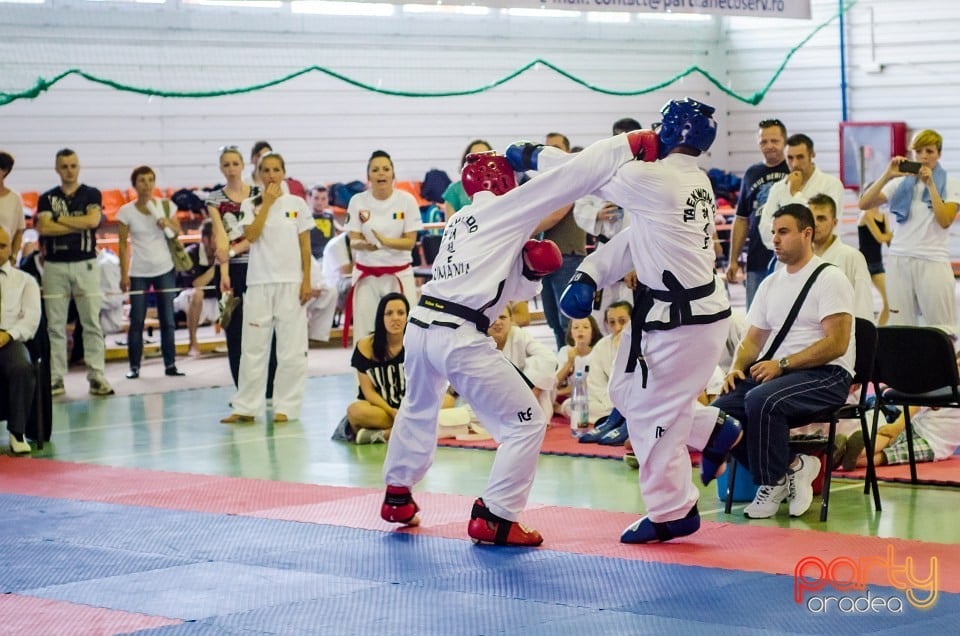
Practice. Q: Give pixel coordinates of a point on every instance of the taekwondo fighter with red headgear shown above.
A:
(679, 325)
(485, 260)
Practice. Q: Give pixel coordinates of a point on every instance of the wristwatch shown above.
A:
(784, 363)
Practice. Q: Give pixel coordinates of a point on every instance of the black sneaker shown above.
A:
(173, 371)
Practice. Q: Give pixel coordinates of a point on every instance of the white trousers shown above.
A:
(662, 417)
(269, 308)
(320, 314)
(503, 402)
(918, 287)
(368, 292)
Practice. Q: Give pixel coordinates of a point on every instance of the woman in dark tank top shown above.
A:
(873, 232)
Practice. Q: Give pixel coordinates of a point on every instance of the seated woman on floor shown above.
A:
(378, 359)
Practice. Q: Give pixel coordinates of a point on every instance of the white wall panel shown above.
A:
(915, 42)
(325, 128)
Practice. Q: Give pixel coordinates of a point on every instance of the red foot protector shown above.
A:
(486, 527)
(399, 506)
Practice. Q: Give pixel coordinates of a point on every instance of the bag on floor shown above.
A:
(178, 253)
(343, 432)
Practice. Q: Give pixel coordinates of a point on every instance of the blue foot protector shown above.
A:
(615, 436)
(645, 531)
(603, 426)
(725, 436)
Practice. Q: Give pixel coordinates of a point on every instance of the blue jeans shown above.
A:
(553, 286)
(752, 282)
(165, 287)
(765, 410)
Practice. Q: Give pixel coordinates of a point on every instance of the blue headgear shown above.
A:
(686, 122)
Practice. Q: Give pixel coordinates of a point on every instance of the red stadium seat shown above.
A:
(112, 200)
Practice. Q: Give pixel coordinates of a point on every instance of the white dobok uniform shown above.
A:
(585, 212)
(683, 321)
(536, 361)
(320, 310)
(479, 269)
(385, 270)
(271, 305)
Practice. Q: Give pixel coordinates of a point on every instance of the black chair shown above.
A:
(866, 335)
(916, 366)
(431, 247)
(426, 252)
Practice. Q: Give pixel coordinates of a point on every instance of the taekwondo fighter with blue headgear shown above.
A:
(679, 325)
(485, 260)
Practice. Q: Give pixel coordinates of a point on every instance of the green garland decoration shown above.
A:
(42, 85)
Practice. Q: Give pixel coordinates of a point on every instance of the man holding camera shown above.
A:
(923, 201)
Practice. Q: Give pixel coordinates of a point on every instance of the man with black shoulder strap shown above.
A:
(797, 358)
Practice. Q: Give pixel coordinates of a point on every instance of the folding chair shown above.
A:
(866, 334)
(916, 366)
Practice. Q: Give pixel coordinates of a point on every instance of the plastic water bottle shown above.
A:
(579, 404)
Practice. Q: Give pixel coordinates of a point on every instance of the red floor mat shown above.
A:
(943, 473)
(557, 441)
(28, 615)
(718, 545)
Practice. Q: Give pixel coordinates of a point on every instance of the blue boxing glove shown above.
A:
(522, 155)
(577, 298)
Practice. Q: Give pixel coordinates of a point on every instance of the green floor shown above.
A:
(180, 431)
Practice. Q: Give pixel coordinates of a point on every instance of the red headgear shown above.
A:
(487, 171)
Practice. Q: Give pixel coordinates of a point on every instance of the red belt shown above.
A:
(365, 272)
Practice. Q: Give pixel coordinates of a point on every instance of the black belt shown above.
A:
(681, 314)
(679, 298)
(454, 309)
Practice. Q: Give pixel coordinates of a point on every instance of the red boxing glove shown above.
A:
(540, 258)
(644, 144)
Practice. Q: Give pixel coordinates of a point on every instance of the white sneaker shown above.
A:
(17, 447)
(371, 436)
(767, 501)
(800, 484)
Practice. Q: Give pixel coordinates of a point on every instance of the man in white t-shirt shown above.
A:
(804, 181)
(919, 275)
(11, 207)
(810, 369)
(828, 246)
